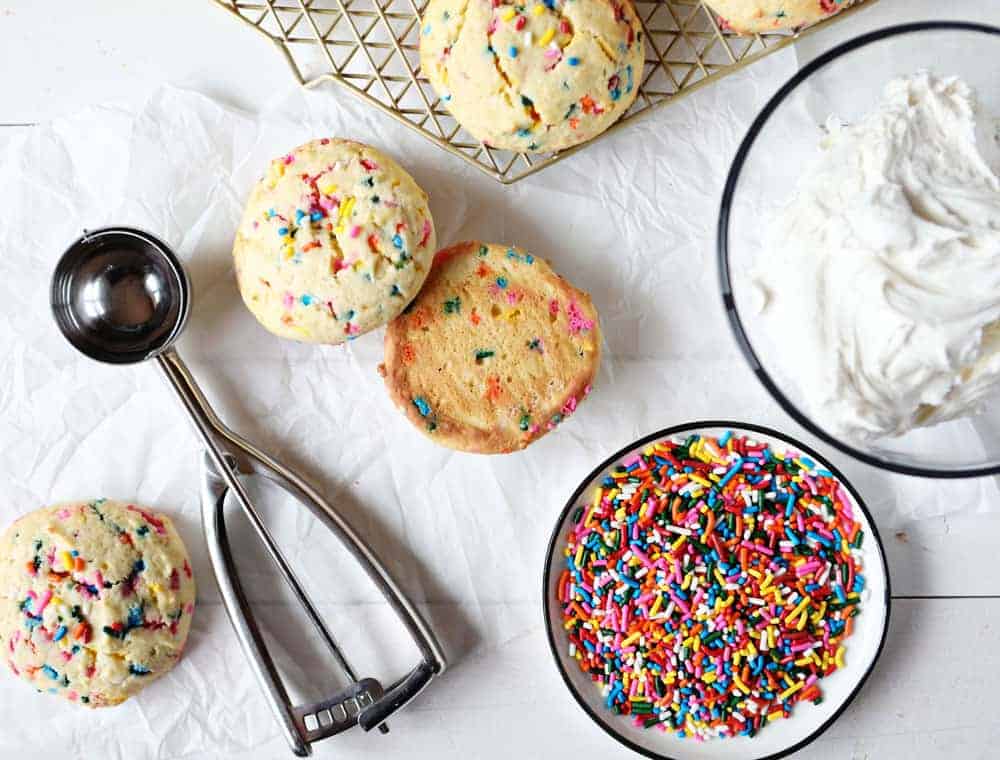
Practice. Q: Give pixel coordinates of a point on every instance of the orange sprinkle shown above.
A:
(474, 317)
(408, 353)
(493, 387)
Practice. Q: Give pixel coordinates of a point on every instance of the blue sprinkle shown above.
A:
(422, 406)
(397, 241)
(50, 672)
(135, 617)
(271, 213)
(395, 291)
(573, 61)
(139, 566)
(724, 438)
(316, 216)
(60, 633)
(138, 670)
(299, 215)
(616, 93)
(427, 30)
(350, 315)
(524, 133)
(74, 553)
(502, 282)
(282, 231)
(512, 51)
(306, 299)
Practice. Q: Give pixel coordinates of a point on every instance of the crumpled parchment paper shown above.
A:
(631, 219)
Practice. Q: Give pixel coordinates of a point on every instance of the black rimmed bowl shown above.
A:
(778, 738)
(848, 82)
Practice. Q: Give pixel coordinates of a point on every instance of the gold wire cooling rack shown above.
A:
(373, 48)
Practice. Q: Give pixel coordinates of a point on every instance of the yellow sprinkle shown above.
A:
(708, 677)
(538, 10)
(547, 37)
(802, 622)
(67, 560)
(790, 690)
(777, 715)
(740, 685)
(839, 657)
(509, 14)
(56, 600)
(754, 573)
(699, 480)
(752, 649)
(328, 189)
(686, 583)
(346, 208)
(803, 662)
(579, 556)
(737, 656)
(656, 605)
(678, 543)
(633, 638)
(569, 623)
(289, 252)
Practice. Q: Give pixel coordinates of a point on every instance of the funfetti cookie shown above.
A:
(496, 351)
(757, 16)
(536, 76)
(335, 241)
(96, 599)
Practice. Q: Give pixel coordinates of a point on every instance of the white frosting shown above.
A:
(883, 271)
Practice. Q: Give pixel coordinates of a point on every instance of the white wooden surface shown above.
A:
(933, 694)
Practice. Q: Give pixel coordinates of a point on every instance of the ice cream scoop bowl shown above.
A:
(121, 296)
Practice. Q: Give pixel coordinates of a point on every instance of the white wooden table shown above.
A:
(934, 692)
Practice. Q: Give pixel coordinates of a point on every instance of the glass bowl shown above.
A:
(778, 738)
(848, 82)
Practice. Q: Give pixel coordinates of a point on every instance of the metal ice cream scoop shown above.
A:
(120, 295)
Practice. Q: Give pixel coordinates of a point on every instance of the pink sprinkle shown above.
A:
(352, 329)
(63, 514)
(427, 232)
(355, 230)
(289, 159)
(520, 23)
(492, 26)
(569, 407)
(14, 667)
(43, 602)
(66, 655)
(157, 524)
(534, 429)
(189, 608)
(513, 297)
(369, 165)
(288, 300)
(587, 389)
(256, 224)
(553, 307)
(72, 696)
(553, 52)
(324, 141)
(577, 322)
(328, 203)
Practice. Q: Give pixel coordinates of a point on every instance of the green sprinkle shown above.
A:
(453, 305)
(481, 354)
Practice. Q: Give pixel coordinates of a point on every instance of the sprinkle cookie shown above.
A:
(495, 351)
(96, 599)
(335, 241)
(757, 16)
(536, 76)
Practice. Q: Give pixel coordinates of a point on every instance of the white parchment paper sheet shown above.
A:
(632, 220)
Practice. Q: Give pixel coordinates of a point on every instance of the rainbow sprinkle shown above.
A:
(711, 583)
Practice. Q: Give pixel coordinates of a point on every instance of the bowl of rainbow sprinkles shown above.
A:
(715, 590)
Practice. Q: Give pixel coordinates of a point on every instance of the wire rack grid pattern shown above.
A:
(373, 48)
